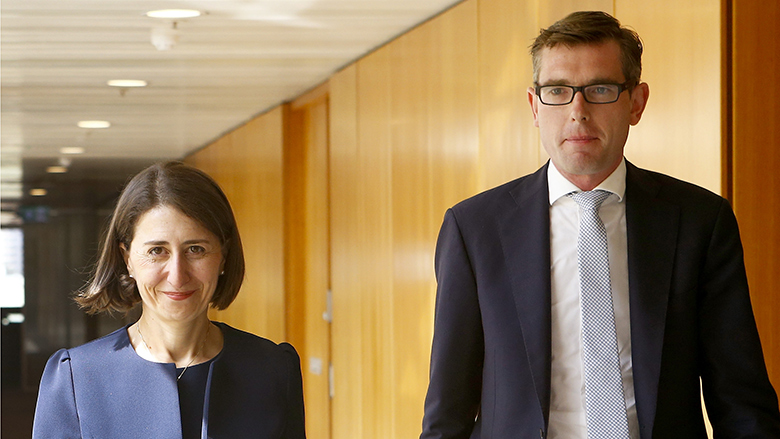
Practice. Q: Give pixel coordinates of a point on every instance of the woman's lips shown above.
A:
(175, 295)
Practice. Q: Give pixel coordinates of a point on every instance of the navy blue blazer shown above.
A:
(690, 311)
(103, 389)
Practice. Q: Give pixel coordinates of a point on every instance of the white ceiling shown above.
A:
(238, 59)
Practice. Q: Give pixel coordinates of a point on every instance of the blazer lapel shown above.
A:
(526, 246)
(652, 227)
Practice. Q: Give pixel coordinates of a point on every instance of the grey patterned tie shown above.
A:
(605, 405)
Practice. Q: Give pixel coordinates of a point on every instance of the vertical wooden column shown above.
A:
(307, 251)
(754, 95)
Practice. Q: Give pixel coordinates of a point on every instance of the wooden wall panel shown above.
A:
(680, 132)
(374, 250)
(434, 125)
(412, 154)
(756, 137)
(307, 251)
(247, 163)
(345, 214)
(551, 11)
(509, 143)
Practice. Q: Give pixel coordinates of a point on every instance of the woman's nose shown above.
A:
(178, 271)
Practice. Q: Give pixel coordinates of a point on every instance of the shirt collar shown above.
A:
(559, 186)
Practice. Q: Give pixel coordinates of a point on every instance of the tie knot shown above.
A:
(590, 200)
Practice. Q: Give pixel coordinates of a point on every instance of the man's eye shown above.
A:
(556, 91)
(600, 90)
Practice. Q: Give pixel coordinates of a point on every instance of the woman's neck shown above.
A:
(182, 343)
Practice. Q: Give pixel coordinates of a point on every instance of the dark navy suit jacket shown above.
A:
(691, 317)
(103, 389)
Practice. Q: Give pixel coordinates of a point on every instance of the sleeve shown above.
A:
(738, 395)
(295, 423)
(457, 354)
(56, 415)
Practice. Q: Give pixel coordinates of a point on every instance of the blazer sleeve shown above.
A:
(738, 395)
(295, 423)
(457, 354)
(56, 415)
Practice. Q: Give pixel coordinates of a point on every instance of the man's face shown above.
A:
(585, 141)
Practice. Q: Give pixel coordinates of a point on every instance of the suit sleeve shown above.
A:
(457, 354)
(56, 415)
(295, 422)
(739, 397)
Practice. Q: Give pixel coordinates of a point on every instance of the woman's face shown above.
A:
(176, 264)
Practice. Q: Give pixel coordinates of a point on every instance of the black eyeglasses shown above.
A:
(595, 94)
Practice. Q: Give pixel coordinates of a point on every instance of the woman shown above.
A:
(173, 246)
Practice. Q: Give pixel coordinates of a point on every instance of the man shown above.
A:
(555, 323)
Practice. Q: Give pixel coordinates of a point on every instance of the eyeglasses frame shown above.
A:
(628, 85)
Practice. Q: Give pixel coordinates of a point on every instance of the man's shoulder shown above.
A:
(668, 187)
(513, 192)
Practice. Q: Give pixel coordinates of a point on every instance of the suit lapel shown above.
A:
(652, 227)
(526, 246)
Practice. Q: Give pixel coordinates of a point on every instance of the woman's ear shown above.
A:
(126, 256)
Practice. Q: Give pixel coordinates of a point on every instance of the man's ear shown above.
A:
(639, 96)
(534, 103)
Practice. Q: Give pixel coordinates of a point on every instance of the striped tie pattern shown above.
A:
(605, 405)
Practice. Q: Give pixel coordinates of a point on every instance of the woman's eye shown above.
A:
(197, 250)
(156, 251)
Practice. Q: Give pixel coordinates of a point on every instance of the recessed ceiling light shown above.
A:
(173, 13)
(56, 169)
(38, 192)
(94, 124)
(72, 150)
(127, 83)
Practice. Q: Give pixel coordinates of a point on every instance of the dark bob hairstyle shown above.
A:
(172, 184)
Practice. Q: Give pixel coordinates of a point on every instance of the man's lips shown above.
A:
(178, 295)
(581, 139)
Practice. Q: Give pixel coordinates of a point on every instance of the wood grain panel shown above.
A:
(509, 143)
(551, 11)
(756, 136)
(434, 123)
(307, 250)
(679, 133)
(345, 214)
(374, 251)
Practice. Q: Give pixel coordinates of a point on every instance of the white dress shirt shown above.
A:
(567, 393)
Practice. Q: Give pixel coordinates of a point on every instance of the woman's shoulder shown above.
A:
(246, 343)
(89, 351)
(108, 343)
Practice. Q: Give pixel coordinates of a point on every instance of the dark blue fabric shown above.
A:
(192, 395)
(103, 389)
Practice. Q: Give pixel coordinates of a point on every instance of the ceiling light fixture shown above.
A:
(127, 83)
(56, 169)
(95, 124)
(38, 192)
(71, 150)
(174, 13)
